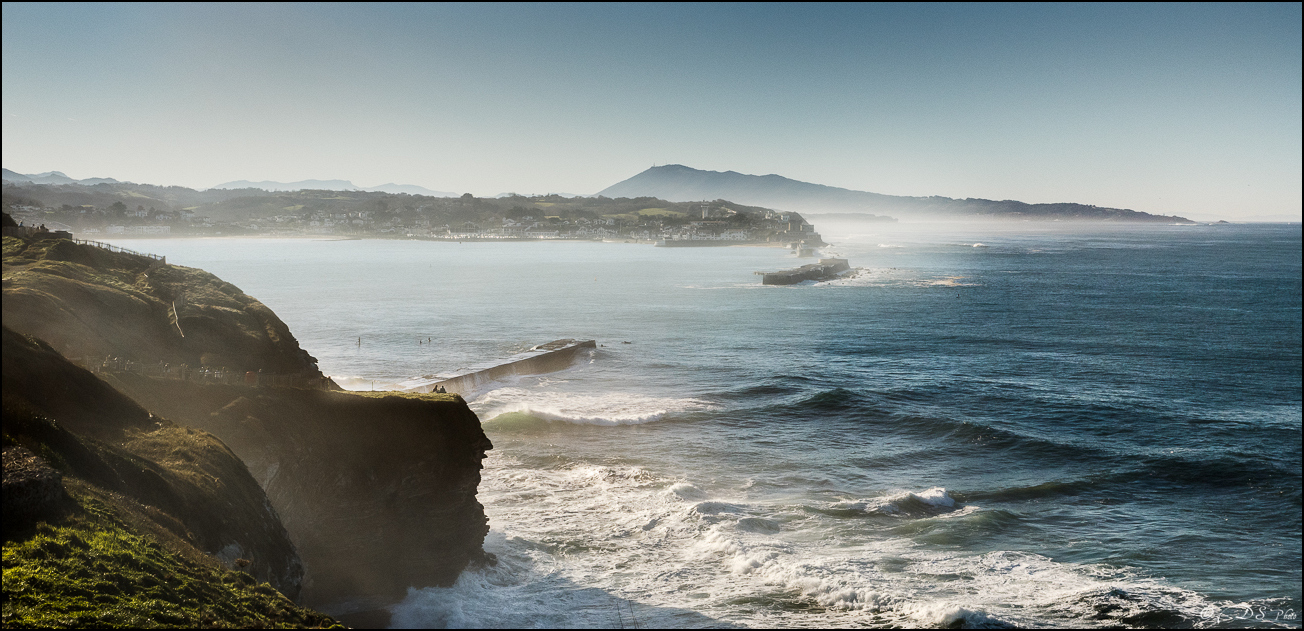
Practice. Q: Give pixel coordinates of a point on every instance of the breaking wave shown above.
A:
(929, 503)
(604, 409)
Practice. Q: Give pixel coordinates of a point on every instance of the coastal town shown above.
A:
(107, 212)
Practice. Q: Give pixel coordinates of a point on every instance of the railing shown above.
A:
(202, 374)
(115, 248)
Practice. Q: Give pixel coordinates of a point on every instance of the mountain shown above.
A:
(334, 185)
(316, 185)
(566, 195)
(410, 189)
(54, 177)
(679, 183)
(10, 176)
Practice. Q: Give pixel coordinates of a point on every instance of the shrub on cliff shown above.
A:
(113, 516)
(94, 570)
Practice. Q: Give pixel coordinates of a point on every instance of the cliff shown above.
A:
(87, 301)
(114, 516)
(376, 491)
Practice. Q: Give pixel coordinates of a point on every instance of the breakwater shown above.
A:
(550, 357)
(824, 270)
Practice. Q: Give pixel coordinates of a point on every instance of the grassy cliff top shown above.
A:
(87, 301)
(437, 397)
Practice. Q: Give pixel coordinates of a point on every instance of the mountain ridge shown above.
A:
(54, 177)
(271, 186)
(333, 185)
(679, 183)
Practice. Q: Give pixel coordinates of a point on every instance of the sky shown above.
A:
(1188, 109)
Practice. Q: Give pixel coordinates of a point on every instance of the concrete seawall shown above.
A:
(544, 358)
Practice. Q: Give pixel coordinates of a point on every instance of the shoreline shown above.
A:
(325, 238)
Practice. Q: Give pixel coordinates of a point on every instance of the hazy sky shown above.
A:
(1177, 109)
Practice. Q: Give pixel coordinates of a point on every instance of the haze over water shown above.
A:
(1043, 426)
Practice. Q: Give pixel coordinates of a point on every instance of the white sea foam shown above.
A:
(349, 382)
(933, 501)
(945, 615)
(684, 490)
(582, 541)
(604, 409)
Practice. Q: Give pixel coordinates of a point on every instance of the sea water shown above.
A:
(984, 425)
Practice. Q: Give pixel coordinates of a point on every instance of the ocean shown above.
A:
(986, 425)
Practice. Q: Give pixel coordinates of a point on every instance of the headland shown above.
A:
(203, 430)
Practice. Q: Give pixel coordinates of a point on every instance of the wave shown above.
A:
(583, 534)
(753, 392)
(615, 408)
(1253, 476)
(832, 400)
(997, 590)
(716, 508)
(928, 503)
(1034, 492)
(359, 384)
(686, 491)
(1126, 460)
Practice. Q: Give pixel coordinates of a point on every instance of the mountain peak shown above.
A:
(679, 183)
(51, 177)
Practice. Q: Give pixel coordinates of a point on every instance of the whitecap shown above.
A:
(686, 491)
(362, 384)
(715, 508)
(927, 503)
(613, 408)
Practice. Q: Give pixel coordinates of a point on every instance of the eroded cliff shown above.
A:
(376, 491)
(107, 506)
(87, 301)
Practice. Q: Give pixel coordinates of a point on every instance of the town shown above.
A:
(131, 210)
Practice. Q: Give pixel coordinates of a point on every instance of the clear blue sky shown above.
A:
(1186, 109)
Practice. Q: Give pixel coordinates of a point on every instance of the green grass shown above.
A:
(91, 571)
(662, 212)
(382, 394)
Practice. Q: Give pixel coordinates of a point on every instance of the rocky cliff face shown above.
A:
(61, 421)
(378, 492)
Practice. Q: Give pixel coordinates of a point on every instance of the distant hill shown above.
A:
(54, 177)
(333, 185)
(679, 183)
